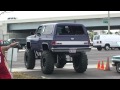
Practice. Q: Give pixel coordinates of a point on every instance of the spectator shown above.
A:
(4, 69)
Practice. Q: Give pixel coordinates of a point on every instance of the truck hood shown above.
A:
(29, 38)
(116, 58)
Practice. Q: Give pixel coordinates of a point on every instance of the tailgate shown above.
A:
(72, 41)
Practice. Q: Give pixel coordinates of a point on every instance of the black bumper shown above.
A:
(97, 46)
(69, 50)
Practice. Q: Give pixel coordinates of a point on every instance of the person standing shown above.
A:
(4, 69)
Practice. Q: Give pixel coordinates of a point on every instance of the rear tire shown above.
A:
(118, 67)
(80, 62)
(47, 62)
(61, 61)
(29, 59)
(107, 47)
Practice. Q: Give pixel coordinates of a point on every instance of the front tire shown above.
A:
(118, 67)
(29, 59)
(80, 62)
(47, 62)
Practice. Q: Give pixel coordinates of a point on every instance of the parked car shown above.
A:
(116, 62)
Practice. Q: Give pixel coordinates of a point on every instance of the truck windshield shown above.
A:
(69, 30)
(97, 37)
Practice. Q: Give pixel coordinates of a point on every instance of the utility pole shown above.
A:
(108, 22)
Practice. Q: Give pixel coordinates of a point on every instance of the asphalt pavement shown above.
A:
(68, 72)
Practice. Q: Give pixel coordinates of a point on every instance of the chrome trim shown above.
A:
(86, 49)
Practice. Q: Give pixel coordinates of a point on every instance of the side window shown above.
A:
(48, 29)
(95, 37)
(39, 30)
(69, 30)
(98, 37)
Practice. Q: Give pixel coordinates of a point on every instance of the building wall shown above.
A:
(1, 35)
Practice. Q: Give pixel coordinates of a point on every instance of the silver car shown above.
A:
(116, 62)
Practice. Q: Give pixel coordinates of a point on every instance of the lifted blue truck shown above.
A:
(53, 41)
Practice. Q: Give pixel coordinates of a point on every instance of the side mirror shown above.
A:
(38, 34)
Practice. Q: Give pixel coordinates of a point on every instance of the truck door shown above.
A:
(36, 40)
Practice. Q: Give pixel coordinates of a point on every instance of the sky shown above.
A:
(45, 14)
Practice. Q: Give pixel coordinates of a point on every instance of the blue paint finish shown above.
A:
(38, 40)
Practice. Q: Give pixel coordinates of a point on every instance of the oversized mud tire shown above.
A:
(47, 62)
(80, 62)
(61, 61)
(29, 59)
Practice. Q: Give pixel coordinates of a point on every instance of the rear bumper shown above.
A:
(67, 50)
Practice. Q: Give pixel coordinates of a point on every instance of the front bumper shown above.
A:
(69, 50)
(96, 46)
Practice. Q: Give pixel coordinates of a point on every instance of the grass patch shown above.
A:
(21, 75)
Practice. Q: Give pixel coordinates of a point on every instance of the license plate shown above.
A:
(72, 51)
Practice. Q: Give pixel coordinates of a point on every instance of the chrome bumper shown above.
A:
(85, 49)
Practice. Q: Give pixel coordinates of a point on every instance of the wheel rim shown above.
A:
(107, 48)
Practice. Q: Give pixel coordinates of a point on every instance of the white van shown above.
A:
(106, 41)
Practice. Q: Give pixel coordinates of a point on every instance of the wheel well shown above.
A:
(45, 47)
(28, 45)
(107, 44)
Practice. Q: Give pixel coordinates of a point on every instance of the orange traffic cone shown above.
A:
(102, 66)
(107, 67)
(98, 65)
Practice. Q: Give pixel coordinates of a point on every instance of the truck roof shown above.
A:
(61, 24)
(107, 35)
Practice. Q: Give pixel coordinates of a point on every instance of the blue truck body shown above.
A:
(59, 39)
(37, 41)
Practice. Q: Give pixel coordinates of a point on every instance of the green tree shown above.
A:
(91, 34)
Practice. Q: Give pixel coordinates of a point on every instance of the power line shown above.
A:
(5, 12)
(2, 12)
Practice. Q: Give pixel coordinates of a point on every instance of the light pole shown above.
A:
(108, 22)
